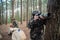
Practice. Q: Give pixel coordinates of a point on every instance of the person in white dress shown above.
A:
(18, 35)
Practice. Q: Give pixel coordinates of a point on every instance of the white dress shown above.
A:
(10, 30)
(18, 35)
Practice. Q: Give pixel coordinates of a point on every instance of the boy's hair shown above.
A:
(11, 25)
(36, 12)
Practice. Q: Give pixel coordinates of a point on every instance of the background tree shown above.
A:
(6, 12)
(40, 5)
(21, 11)
(27, 11)
(0, 11)
(13, 8)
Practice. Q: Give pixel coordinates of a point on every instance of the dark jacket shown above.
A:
(15, 23)
(36, 27)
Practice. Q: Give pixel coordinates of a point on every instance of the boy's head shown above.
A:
(11, 26)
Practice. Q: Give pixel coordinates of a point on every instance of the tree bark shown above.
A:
(21, 11)
(6, 12)
(52, 27)
(39, 5)
(13, 8)
(27, 12)
(1, 13)
(0, 16)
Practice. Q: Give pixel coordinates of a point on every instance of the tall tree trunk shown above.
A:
(21, 11)
(27, 12)
(0, 16)
(36, 4)
(52, 27)
(6, 12)
(33, 4)
(40, 5)
(13, 8)
(1, 13)
(31, 7)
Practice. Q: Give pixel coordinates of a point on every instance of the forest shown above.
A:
(19, 9)
(22, 10)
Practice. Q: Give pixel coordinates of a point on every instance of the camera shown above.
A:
(46, 16)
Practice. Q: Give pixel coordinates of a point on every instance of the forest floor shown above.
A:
(4, 29)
